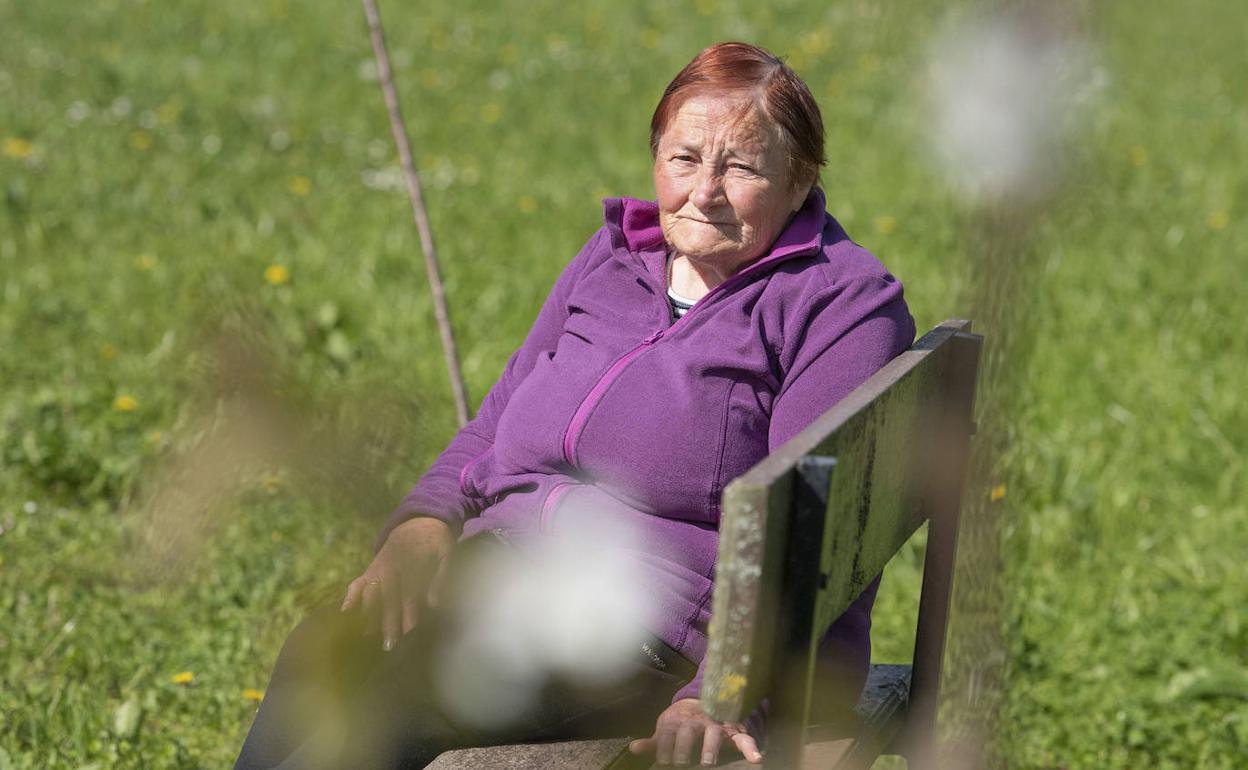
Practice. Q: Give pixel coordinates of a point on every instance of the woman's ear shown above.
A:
(801, 191)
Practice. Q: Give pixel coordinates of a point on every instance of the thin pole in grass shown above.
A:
(399, 131)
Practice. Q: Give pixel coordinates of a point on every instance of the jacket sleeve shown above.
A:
(852, 329)
(438, 493)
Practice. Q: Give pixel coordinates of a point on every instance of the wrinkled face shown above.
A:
(723, 184)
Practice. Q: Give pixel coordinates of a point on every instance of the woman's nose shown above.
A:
(707, 188)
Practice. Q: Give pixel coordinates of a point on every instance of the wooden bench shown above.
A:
(801, 535)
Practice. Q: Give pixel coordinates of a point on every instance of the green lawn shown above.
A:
(177, 178)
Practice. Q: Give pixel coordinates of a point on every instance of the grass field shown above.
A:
(174, 174)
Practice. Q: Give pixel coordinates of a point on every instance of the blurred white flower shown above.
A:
(389, 178)
(499, 79)
(1004, 93)
(78, 112)
(366, 70)
(570, 609)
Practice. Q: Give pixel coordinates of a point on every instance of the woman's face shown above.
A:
(722, 178)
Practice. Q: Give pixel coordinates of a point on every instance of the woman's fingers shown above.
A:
(642, 745)
(411, 613)
(748, 747)
(391, 613)
(711, 740)
(370, 593)
(438, 583)
(411, 600)
(682, 727)
(666, 742)
(354, 589)
(370, 603)
(686, 736)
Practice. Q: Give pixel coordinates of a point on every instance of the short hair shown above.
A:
(779, 93)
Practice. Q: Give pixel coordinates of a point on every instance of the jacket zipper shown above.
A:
(581, 416)
(553, 497)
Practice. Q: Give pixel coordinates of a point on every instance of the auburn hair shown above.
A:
(779, 93)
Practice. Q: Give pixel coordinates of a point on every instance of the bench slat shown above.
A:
(560, 755)
(876, 718)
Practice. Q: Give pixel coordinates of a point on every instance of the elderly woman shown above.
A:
(689, 337)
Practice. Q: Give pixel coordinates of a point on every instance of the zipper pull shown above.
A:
(653, 338)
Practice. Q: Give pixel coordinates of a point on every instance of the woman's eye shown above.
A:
(741, 167)
(684, 158)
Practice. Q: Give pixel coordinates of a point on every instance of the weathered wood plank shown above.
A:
(884, 437)
(560, 755)
(886, 454)
(745, 609)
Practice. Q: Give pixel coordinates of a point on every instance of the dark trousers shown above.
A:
(335, 700)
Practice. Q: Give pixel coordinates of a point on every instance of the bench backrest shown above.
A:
(804, 531)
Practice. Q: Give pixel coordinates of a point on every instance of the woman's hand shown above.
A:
(405, 576)
(682, 726)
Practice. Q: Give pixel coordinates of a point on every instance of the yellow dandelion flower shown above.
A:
(253, 694)
(508, 54)
(649, 37)
(275, 536)
(527, 204)
(1138, 155)
(885, 224)
(998, 493)
(140, 139)
(868, 63)
(1218, 220)
(108, 351)
(167, 113)
(145, 262)
(706, 7)
(277, 275)
(491, 112)
(300, 185)
(125, 403)
(14, 147)
(182, 677)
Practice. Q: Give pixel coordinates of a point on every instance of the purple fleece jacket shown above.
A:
(610, 406)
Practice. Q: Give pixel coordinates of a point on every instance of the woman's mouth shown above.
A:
(709, 222)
